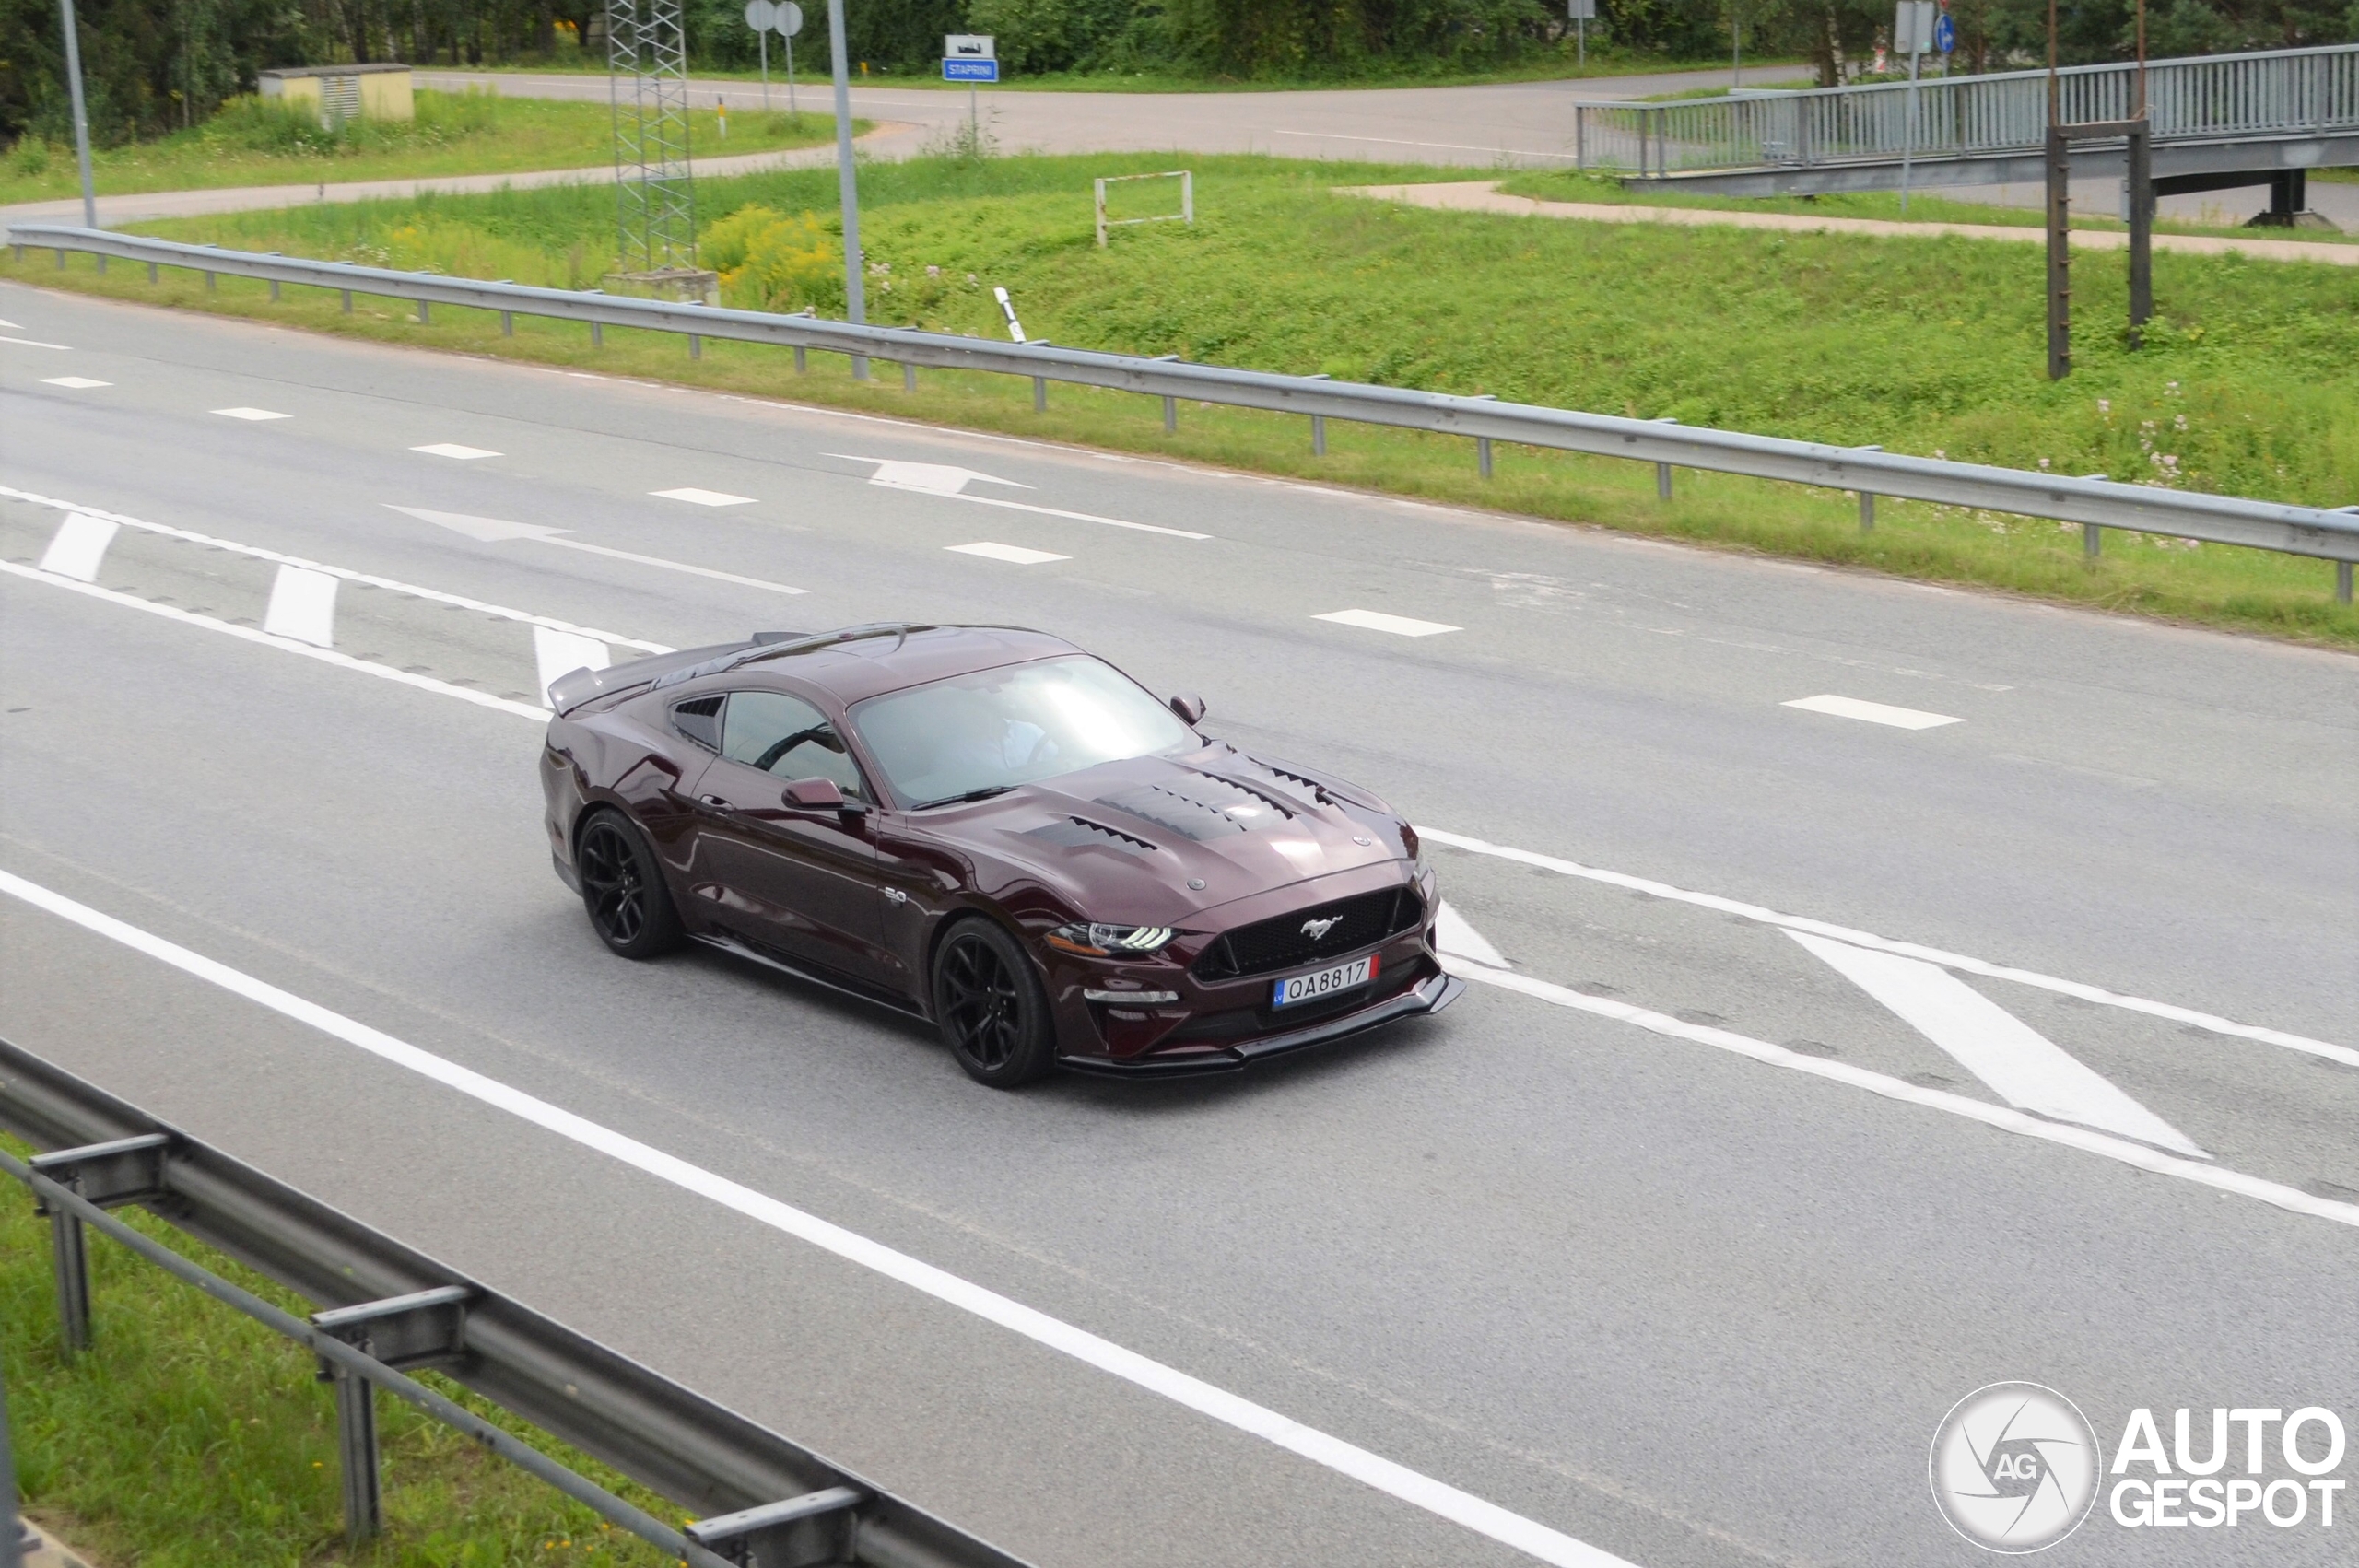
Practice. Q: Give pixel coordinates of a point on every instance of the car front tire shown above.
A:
(992, 1007)
(622, 888)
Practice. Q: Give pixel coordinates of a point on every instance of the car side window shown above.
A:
(699, 719)
(786, 736)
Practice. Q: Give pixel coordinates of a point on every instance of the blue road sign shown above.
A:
(971, 70)
(1945, 35)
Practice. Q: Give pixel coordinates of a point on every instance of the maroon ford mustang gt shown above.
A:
(992, 830)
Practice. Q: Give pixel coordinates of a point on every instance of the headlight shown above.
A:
(1096, 941)
(1416, 846)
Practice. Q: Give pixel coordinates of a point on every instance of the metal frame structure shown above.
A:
(2095, 504)
(2287, 107)
(1187, 213)
(655, 216)
(768, 1503)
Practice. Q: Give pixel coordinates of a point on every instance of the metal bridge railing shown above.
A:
(2095, 504)
(2281, 93)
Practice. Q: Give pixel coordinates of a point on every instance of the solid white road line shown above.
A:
(561, 654)
(34, 343)
(2000, 1117)
(411, 589)
(453, 449)
(2211, 1022)
(79, 383)
(695, 496)
(1410, 1486)
(2024, 1068)
(1454, 936)
(255, 413)
(492, 530)
(1872, 712)
(249, 633)
(302, 605)
(1378, 621)
(1082, 516)
(1016, 554)
(78, 545)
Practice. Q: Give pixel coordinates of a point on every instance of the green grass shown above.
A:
(254, 143)
(2249, 385)
(191, 1436)
(1924, 206)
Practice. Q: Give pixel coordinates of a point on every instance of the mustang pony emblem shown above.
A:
(1314, 930)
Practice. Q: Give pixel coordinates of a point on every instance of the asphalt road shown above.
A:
(1675, 1237)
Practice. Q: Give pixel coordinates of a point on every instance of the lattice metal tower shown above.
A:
(655, 216)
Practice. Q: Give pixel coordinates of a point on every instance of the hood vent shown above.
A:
(1317, 791)
(1202, 808)
(1079, 833)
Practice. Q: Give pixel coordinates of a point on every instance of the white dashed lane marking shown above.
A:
(453, 449)
(78, 547)
(79, 383)
(1016, 554)
(251, 414)
(302, 606)
(1872, 712)
(32, 343)
(1378, 621)
(696, 497)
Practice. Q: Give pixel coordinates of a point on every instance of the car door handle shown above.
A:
(716, 803)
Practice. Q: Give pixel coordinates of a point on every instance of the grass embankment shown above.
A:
(2249, 384)
(253, 142)
(1924, 206)
(191, 1436)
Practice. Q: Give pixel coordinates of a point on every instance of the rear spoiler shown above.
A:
(585, 685)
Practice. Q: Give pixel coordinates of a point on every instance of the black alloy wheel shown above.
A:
(629, 908)
(994, 1014)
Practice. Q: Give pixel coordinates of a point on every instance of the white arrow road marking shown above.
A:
(453, 449)
(492, 531)
(2023, 1067)
(29, 343)
(950, 483)
(1454, 936)
(302, 605)
(2001, 1116)
(79, 383)
(1439, 1498)
(2212, 1022)
(78, 547)
(1016, 554)
(559, 654)
(1378, 621)
(1873, 712)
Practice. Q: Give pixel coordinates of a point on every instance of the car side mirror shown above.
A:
(1189, 707)
(815, 795)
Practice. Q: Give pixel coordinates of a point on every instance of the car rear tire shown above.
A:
(992, 1007)
(623, 889)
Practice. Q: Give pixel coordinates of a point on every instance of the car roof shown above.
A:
(870, 662)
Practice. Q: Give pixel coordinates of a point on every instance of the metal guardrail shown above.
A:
(2094, 503)
(765, 1502)
(2279, 93)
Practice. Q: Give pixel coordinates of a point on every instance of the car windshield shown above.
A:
(996, 729)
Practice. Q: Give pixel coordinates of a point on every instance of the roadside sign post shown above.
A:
(1580, 13)
(1945, 38)
(761, 16)
(789, 22)
(1912, 30)
(970, 57)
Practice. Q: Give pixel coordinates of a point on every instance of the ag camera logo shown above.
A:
(2014, 1467)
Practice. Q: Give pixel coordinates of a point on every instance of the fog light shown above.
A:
(1132, 998)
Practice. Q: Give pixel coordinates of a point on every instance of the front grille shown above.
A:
(1281, 943)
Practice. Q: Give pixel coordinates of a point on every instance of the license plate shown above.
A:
(1324, 982)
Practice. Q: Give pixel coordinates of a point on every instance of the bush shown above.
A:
(769, 261)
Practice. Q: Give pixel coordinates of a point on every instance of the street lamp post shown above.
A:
(81, 118)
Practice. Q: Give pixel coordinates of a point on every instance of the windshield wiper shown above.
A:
(985, 793)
